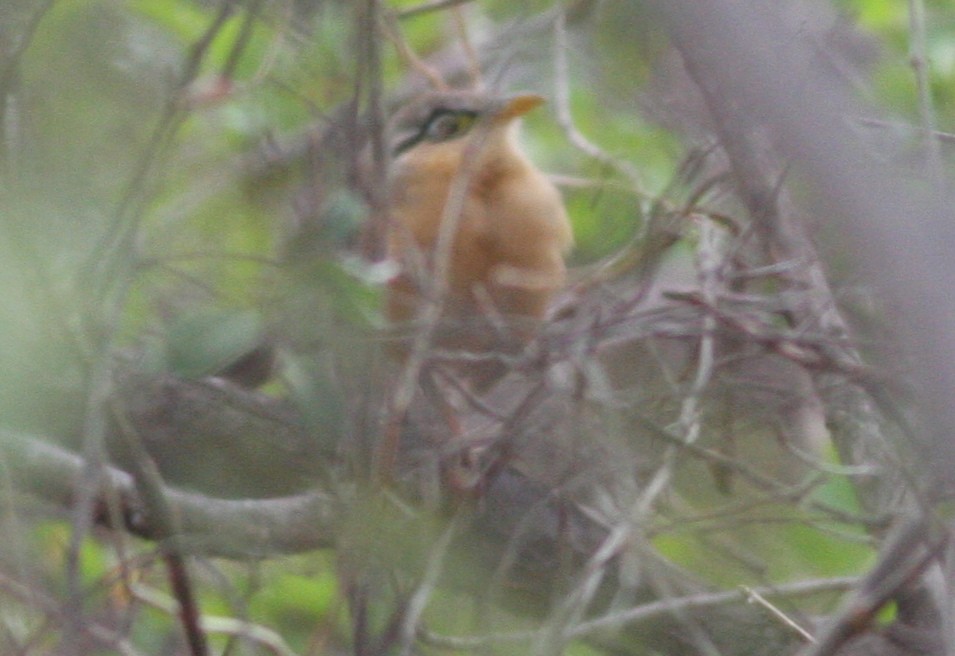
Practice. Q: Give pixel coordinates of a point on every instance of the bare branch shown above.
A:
(564, 117)
(755, 597)
(918, 58)
(427, 7)
(240, 528)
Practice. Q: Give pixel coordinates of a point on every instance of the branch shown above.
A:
(427, 7)
(218, 438)
(918, 58)
(210, 526)
(757, 168)
(754, 74)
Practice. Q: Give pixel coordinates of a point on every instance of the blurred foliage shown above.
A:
(108, 134)
(888, 21)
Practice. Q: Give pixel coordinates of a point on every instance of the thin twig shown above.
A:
(710, 265)
(432, 312)
(753, 597)
(427, 7)
(943, 137)
(708, 599)
(242, 40)
(151, 489)
(569, 612)
(369, 84)
(918, 58)
(650, 611)
(9, 64)
(474, 62)
(911, 548)
(565, 117)
(392, 31)
(11, 59)
(260, 635)
(416, 605)
(107, 258)
(105, 635)
(709, 262)
(91, 474)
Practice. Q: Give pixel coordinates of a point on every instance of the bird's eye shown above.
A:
(448, 125)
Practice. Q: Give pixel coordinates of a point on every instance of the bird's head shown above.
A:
(443, 120)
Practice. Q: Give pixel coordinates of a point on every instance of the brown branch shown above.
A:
(943, 137)
(150, 488)
(99, 632)
(251, 445)
(392, 31)
(427, 7)
(757, 170)
(745, 63)
(919, 60)
(210, 526)
(9, 70)
(906, 554)
(242, 40)
(518, 520)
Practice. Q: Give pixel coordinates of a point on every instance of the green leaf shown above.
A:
(202, 343)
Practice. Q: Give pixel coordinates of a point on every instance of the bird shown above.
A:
(511, 232)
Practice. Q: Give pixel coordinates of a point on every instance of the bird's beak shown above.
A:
(518, 105)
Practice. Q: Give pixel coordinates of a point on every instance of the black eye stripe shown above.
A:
(421, 134)
(406, 144)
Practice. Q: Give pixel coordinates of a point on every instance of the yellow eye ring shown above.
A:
(448, 125)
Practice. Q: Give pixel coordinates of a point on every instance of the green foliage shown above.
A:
(888, 20)
(201, 344)
(296, 596)
(773, 544)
